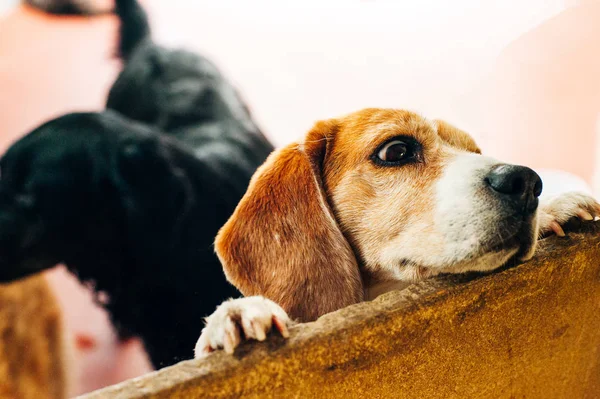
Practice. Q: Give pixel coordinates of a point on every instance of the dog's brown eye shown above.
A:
(394, 151)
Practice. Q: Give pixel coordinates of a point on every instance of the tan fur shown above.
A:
(32, 344)
(284, 241)
(291, 261)
(456, 137)
(324, 224)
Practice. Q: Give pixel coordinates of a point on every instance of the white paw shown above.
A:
(555, 212)
(253, 316)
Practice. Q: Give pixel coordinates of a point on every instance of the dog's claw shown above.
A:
(585, 215)
(261, 335)
(557, 229)
(232, 336)
(281, 325)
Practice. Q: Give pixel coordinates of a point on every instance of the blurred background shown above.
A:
(522, 77)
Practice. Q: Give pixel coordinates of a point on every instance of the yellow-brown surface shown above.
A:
(529, 331)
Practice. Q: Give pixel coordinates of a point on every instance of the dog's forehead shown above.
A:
(367, 129)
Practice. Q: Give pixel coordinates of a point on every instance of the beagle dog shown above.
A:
(368, 203)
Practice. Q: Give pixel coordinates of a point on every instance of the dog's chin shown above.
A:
(483, 262)
(489, 256)
(518, 247)
(524, 239)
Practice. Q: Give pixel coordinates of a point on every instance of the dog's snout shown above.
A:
(518, 183)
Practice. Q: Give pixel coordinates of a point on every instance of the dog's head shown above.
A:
(89, 190)
(170, 89)
(40, 175)
(379, 195)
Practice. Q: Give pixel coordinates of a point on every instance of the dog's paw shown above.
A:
(245, 318)
(555, 212)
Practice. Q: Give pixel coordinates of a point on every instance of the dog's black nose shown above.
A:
(519, 184)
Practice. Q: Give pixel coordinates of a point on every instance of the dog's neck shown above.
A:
(376, 285)
(376, 288)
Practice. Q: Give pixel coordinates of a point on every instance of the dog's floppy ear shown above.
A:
(456, 137)
(283, 241)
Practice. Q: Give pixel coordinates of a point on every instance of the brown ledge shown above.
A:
(529, 331)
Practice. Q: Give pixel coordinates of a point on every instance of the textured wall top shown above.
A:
(526, 331)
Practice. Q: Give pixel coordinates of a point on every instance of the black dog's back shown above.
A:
(178, 91)
(185, 96)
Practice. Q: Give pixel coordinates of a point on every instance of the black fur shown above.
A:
(134, 28)
(133, 206)
(67, 7)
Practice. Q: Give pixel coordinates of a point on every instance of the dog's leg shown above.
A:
(554, 212)
(254, 316)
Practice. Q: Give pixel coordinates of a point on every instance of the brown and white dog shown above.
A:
(367, 203)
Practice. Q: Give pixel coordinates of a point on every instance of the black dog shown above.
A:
(133, 206)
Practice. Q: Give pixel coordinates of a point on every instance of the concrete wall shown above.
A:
(529, 331)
